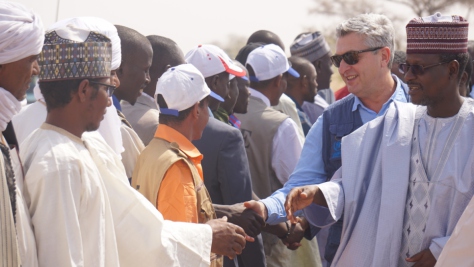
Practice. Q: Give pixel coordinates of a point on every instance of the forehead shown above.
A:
(422, 58)
(350, 42)
(141, 56)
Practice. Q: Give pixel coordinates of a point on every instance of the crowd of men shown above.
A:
(138, 154)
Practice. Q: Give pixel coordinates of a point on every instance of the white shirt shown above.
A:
(287, 144)
(95, 203)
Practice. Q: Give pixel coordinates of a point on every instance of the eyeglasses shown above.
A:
(351, 57)
(417, 69)
(110, 88)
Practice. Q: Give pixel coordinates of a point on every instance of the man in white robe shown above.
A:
(406, 177)
(83, 210)
(21, 39)
(32, 116)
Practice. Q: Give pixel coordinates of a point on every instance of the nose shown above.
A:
(36, 68)
(109, 101)
(409, 75)
(147, 77)
(343, 67)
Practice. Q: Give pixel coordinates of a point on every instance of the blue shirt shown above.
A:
(310, 167)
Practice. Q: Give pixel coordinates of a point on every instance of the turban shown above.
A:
(97, 25)
(311, 46)
(21, 32)
(437, 34)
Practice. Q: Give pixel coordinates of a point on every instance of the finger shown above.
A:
(230, 253)
(260, 220)
(415, 257)
(249, 239)
(223, 219)
(238, 230)
(239, 239)
(253, 231)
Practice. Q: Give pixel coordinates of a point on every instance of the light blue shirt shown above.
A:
(310, 167)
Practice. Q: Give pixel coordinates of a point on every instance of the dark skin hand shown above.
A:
(237, 214)
(227, 239)
(423, 258)
(293, 241)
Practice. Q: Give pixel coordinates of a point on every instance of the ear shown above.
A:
(386, 53)
(214, 82)
(304, 82)
(196, 111)
(84, 91)
(464, 78)
(277, 80)
(453, 68)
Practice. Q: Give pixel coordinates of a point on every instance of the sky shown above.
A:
(192, 22)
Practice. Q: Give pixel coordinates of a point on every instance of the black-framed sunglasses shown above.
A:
(110, 88)
(417, 69)
(351, 57)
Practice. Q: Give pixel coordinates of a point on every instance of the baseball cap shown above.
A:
(211, 60)
(268, 61)
(182, 87)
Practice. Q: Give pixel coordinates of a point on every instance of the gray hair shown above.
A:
(377, 29)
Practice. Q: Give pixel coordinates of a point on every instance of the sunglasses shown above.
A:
(110, 88)
(351, 57)
(417, 69)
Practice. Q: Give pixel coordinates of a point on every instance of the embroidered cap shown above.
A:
(437, 34)
(182, 87)
(311, 46)
(211, 60)
(72, 53)
(268, 61)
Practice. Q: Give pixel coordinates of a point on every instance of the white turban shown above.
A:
(21, 32)
(98, 25)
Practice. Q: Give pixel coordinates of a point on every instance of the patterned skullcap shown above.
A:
(437, 34)
(72, 53)
(311, 46)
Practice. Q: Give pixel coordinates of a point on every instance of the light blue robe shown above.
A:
(370, 189)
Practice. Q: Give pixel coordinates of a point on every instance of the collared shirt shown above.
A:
(305, 122)
(310, 169)
(177, 197)
(286, 146)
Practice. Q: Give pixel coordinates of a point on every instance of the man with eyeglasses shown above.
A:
(364, 53)
(407, 176)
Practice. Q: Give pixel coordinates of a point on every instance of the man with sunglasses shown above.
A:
(364, 53)
(407, 176)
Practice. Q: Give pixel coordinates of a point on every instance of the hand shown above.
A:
(258, 207)
(227, 239)
(423, 258)
(296, 234)
(299, 198)
(249, 220)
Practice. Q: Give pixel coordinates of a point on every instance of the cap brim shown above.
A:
(244, 78)
(167, 111)
(216, 96)
(232, 68)
(293, 72)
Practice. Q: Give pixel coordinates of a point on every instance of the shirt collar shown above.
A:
(171, 135)
(260, 96)
(296, 103)
(398, 95)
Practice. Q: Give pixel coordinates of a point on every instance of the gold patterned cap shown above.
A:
(75, 54)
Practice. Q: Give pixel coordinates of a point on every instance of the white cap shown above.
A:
(211, 60)
(268, 61)
(182, 87)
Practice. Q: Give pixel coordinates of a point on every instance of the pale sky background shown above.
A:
(193, 22)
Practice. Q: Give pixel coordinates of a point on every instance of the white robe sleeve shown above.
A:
(55, 200)
(334, 194)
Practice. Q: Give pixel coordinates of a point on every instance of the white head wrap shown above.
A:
(98, 25)
(21, 32)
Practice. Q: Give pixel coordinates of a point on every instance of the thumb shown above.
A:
(415, 257)
(224, 219)
(249, 204)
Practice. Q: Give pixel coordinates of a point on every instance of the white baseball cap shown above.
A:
(182, 87)
(268, 61)
(211, 60)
